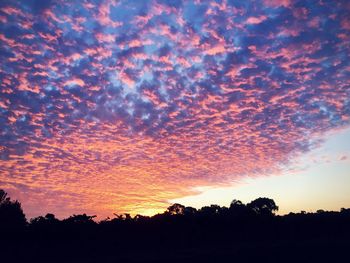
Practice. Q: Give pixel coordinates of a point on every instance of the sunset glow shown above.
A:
(123, 106)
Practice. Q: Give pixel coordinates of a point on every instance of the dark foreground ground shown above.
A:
(311, 251)
(280, 251)
(322, 237)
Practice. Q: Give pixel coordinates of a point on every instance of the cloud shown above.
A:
(256, 20)
(115, 107)
(343, 158)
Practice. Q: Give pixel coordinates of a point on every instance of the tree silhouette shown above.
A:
(11, 213)
(176, 209)
(123, 217)
(190, 211)
(210, 234)
(238, 209)
(263, 206)
(3, 197)
(80, 219)
(236, 203)
(44, 220)
(210, 211)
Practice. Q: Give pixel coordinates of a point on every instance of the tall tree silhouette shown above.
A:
(11, 213)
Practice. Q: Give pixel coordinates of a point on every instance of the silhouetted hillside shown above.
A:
(239, 233)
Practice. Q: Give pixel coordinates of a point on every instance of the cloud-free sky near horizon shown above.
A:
(121, 106)
(318, 179)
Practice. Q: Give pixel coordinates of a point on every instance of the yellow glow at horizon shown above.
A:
(319, 179)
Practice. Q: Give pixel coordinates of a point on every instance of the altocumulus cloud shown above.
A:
(122, 105)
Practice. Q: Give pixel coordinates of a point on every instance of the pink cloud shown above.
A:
(75, 81)
(215, 50)
(277, 3)
(105, 38)
(256, 20)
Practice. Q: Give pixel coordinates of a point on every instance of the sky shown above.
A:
(125, 106)
(319, 179)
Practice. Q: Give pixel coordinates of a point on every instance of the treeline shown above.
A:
(180, 234)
